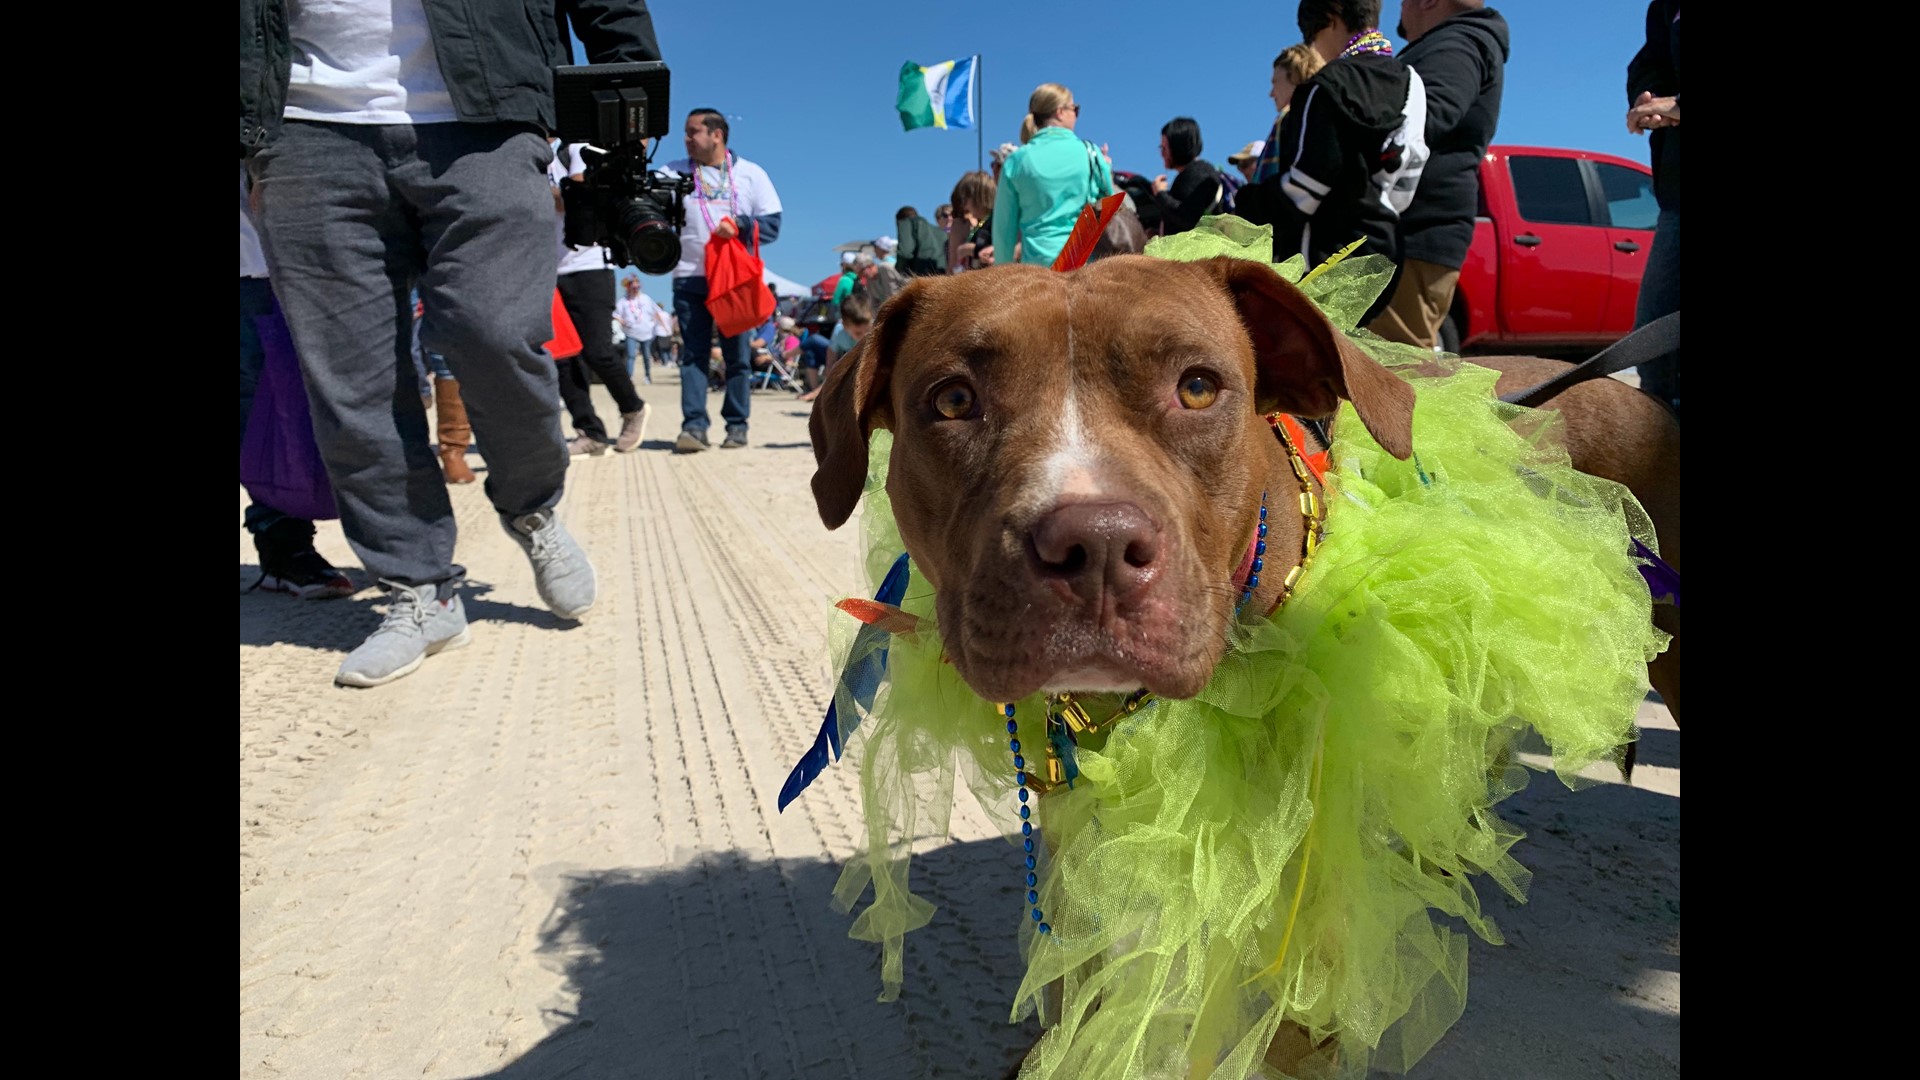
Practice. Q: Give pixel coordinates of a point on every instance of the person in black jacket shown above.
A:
(403, 145)
(1460, 49)
(1349, 152)
(1653, 91)
(1196, 188)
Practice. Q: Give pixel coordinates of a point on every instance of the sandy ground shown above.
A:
(555, 853)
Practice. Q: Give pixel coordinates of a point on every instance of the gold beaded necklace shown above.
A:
(1068, 718)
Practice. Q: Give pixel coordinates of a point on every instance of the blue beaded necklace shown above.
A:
(1068, 716)
(1026, 820)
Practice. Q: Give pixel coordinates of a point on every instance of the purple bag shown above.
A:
(280, 463)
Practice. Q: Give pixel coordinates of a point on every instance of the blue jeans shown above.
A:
(642, 347)
(696, 330)
(1660, 295)
(435, 368)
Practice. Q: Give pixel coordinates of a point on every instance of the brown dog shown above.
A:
(1617, 433)
(1079, 460)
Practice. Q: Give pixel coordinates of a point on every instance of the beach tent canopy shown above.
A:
(782, 287)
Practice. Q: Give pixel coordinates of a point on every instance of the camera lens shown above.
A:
(653, 243)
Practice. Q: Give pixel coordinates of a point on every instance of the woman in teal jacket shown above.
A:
(1044, 184)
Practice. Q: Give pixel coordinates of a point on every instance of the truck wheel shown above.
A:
(1450, 332)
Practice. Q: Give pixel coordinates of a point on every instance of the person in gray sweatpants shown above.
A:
(370, 183)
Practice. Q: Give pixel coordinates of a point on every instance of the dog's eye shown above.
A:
(1198, 389)
(954, 400)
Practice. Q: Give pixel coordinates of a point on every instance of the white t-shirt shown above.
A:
(573, 259)
(752, 195)
(365, 62)
(253, 261)
(640, 316)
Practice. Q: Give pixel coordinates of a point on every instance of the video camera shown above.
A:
(634, 212)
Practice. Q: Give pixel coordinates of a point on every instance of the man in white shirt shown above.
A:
(402, 143)
(731, 195)
(586, 291)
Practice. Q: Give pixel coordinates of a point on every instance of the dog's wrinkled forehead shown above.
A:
(1067, 330)
(1066, 365)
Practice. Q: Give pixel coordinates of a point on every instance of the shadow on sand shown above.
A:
(732, 967)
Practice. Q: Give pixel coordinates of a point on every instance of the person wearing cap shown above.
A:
(885, 249)
(878, 280)
(998, 155)
(1248, 155)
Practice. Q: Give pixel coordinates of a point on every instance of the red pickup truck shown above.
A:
(1558, 250)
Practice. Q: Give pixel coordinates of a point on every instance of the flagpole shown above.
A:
(979, 117)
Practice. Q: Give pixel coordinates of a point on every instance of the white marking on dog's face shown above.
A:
(1073, 470)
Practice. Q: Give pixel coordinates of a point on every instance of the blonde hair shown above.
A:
(1047, 100)
(1301, 62)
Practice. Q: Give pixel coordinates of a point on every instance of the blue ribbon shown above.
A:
(1063, 746)
(861, 679)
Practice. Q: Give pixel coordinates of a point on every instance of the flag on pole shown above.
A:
(939, 96)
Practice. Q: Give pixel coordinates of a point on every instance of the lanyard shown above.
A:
(700, 189)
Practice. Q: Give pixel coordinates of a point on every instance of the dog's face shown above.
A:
(1079, 458)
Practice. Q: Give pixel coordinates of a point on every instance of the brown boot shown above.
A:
(454, 433)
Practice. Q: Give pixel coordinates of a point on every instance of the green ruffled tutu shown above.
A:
(1278, 848)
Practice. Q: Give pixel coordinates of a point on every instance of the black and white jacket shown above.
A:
(1352, 147)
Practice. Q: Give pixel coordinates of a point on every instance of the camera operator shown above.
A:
(730, 196)
(403, 142)
(586, 290)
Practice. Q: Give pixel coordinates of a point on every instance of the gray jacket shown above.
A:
(497, 56)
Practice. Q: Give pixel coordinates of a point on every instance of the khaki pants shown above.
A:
(1420, 304)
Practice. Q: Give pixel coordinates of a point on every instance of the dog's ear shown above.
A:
(854, 402)
(1305, 364)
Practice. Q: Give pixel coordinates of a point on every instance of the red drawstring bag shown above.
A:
(737, 292)
(566, 340)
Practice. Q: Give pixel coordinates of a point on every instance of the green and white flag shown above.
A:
(939, 96)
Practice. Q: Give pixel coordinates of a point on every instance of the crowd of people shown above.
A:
(1366, 147)
(382, 203)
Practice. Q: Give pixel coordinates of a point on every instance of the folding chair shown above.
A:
(777, 370)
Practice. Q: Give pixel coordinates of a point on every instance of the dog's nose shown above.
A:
(1088, 545)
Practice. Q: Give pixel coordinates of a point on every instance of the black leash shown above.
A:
(1657, 339)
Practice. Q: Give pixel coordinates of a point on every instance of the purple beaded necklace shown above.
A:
(1368, 41)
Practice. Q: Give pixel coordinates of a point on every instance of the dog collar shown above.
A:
(1068, 719)
(1310, 474)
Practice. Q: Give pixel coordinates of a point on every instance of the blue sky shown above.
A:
(809, 90)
